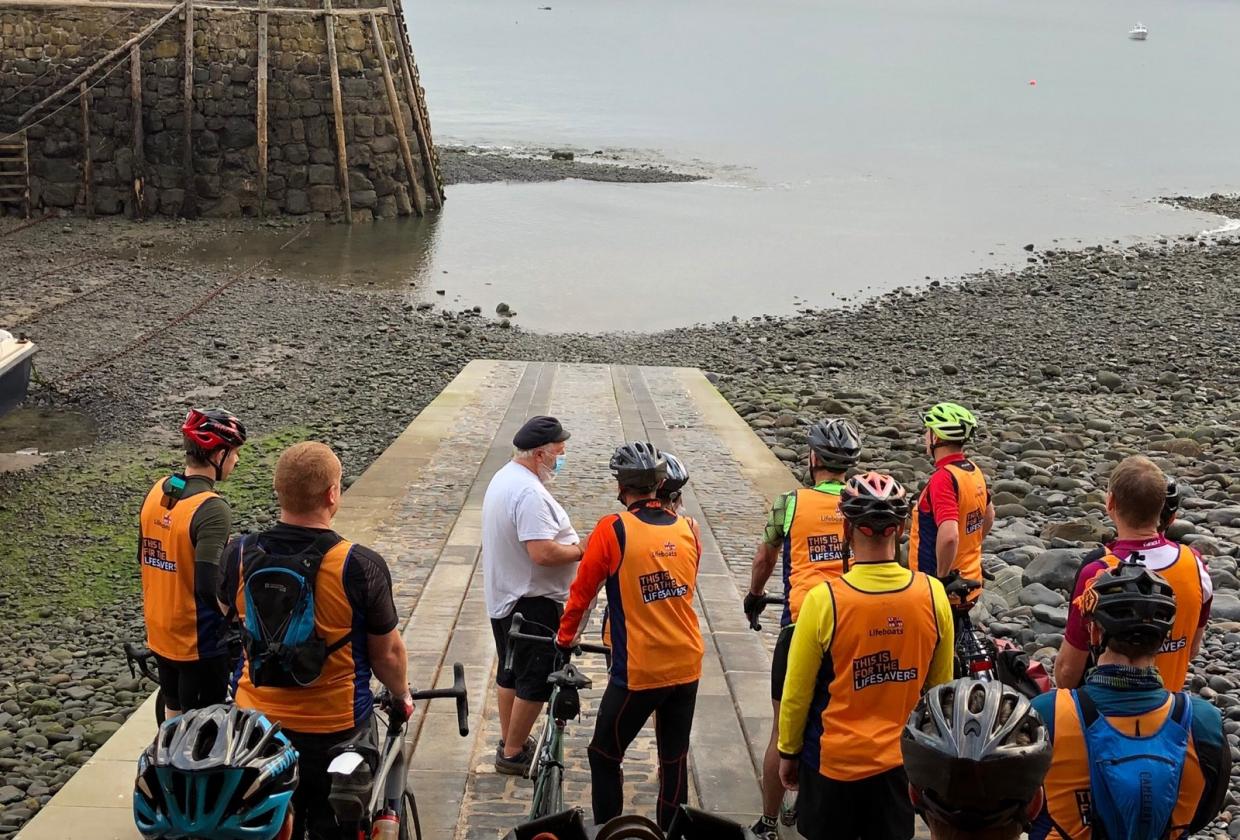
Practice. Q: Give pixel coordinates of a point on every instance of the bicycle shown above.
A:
(547, 768)
(141, 661)
(975, 653)
(788, 807)
(382, 803)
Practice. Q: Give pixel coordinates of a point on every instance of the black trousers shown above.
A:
(621, 715)
(313, 817)
(876, 808)
(193, 685)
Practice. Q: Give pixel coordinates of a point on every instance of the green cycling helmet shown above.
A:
(950, 422)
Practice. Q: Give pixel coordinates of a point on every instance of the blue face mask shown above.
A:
(559, 464)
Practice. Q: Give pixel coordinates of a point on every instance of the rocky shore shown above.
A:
(1072, 363)
(472, 165)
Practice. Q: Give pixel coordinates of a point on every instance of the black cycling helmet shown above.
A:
(836, 443)
(1171, 505)
(638, 466)
(975, 754)
(677, 478)
(874, 503)
(1130, 603)
(221, 772)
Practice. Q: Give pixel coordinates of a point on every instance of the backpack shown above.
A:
(278, 635)
(1134, 781)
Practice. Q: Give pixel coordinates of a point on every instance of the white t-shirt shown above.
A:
(518, 508)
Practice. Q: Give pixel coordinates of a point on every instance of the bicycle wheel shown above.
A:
(410, 825)
(548, 792)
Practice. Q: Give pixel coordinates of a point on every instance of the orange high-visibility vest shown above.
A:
(814, 547)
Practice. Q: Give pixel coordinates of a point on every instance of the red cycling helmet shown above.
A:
(213, 429)
(874, 503)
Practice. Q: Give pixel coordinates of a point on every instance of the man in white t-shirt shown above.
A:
(529, 558)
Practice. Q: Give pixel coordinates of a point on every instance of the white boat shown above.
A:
(16, 355)
(1138, 32)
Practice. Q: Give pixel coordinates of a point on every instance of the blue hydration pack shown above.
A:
(1134, 780)
(281, 646)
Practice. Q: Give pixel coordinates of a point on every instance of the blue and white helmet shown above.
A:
(219, 772)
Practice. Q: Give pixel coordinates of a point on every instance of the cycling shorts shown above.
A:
(875, 808)
(779, 662)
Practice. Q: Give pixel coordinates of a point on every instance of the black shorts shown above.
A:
(877, 808)
(779, 662)
(532, 663)
(193, 685)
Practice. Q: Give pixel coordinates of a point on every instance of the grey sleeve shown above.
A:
(209, 530)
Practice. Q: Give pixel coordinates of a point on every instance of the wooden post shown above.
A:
(187, 150)
(88, 170)
(261, 111)
(342, 154)
(415, 188)
(411, 95)
(135, 107)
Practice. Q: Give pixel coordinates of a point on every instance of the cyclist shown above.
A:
(1136, 501)
(806, 527)
(975, 754)
(865, 647)
(672, 487)
(318, 621)
(1131, 758)
(954, 513)
(647, 557)
(184, 526)
(249, 768)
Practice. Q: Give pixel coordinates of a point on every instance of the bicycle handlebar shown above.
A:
(458, 692)
(765, 601)
(518, 621)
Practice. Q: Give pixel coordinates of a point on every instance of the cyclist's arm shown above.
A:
(946, 544)
(539, 521)
(1070, 665)
(1207, 601)
(230, 571)
(1073, 656)
(552, 553)
(767, 555)
(942, 663)
(601, 559)
(389, 661)
(208, 530)
(812, 637)
(990, 520)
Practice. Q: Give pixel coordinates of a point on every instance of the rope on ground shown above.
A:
(28, 224)
(108, 359)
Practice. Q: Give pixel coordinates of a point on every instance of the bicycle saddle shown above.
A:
(570, 677)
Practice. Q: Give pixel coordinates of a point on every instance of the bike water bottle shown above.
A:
(386, 827)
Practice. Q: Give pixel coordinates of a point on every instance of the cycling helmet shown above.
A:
(220, 772)
(836, 443)
(950, 422)
(638, 466)
(874, 503)
(1130, 602)
(1171, 505)
(975, 754)
(213, 429)
(677, 478)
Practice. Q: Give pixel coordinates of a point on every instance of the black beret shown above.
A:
(539, 431)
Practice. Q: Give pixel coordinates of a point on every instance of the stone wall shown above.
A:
(42, 49)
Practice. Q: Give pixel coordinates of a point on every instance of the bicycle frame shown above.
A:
(972, 658)
(548, 763)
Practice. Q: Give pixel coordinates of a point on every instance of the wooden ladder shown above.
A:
(421, 115)
(15, 171)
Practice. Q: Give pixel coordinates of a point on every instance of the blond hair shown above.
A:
(1138, 490)
(304, 474)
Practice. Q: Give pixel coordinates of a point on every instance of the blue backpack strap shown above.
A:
(1086, 708)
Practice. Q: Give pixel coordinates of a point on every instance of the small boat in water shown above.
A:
(16, 357)
(1138, 32)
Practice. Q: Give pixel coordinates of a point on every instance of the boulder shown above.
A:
(1085, 529)
(1187, 447)
(1036, 594)
(1226, 607)
(1055, 568)
(1054, 616)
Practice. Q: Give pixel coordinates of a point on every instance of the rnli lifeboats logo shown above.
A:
(879, 668)
(894, 627)
(668, 549)
(153, 555)
(825, 547)
(659, 586)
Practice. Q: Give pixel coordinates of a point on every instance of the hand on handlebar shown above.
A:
(754, 605)
(400, 709)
